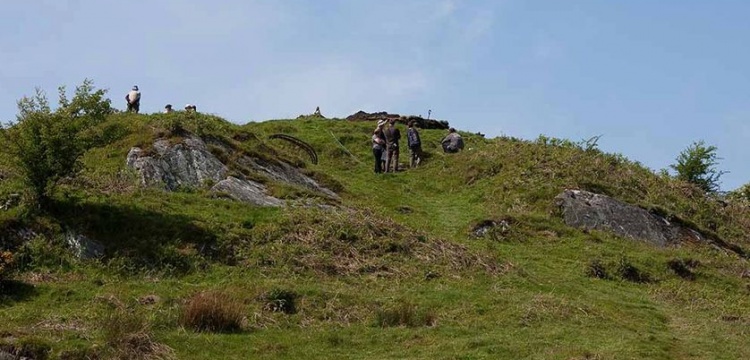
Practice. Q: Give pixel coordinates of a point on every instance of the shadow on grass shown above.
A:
(13, 291)
(147, 239)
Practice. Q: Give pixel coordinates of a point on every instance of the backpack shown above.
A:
(413, 138)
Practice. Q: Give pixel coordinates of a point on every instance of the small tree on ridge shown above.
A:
(697, 165)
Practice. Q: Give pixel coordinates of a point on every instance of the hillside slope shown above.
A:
(389, 270)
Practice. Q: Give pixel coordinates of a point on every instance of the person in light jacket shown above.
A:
(134, 100)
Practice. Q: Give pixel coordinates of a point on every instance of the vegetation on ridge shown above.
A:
(392, 272)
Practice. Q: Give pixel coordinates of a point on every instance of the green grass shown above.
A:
(398, 248)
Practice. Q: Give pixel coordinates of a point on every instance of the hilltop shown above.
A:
(345, 263)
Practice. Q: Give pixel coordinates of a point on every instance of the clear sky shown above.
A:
(650, 76)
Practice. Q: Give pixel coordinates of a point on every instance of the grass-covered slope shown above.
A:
(392, 272)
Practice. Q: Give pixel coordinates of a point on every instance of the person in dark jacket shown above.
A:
(452, 143)
(415, 145)
(392, 136)
(378, 146)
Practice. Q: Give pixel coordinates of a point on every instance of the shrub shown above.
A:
(697, 165)
(212, 311)
(27, 348)
(630, 272)
(278, 300)
(6, 263)
(404, 314)
(683, 267)
(597, 269)
(46, 145)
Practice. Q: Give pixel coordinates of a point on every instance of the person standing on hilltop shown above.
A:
(392, 136)
(452, 143)
(378, 146)
(415, 145)
(134, 100)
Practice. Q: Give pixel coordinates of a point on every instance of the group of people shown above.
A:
(133, 99)
(385, 145)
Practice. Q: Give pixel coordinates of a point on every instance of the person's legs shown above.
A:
(137, 107)
(395, 159)
(378, 154)
(388, 159)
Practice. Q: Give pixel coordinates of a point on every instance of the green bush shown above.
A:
(45, 144)
(697, 165)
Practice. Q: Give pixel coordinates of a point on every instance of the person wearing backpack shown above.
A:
(415, 145)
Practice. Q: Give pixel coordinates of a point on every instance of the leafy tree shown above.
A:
(46, 144)
(697, 165)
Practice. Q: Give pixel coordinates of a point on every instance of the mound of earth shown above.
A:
(420, 121)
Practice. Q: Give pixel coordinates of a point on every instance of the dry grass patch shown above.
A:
(213, 311)
(128, 336)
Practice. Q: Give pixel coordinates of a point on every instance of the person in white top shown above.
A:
(134, 100)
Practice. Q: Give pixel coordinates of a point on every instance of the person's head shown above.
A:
(392, 122)
(381, 123)
(168, 106)
(451, 130)
(135, 87)
(411, 123)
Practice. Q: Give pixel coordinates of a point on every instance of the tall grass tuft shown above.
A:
(405, 314)
(128, 336)
(212, 311)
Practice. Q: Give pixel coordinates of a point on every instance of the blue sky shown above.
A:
(651, 77)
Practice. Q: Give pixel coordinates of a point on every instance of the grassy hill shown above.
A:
(392, 271)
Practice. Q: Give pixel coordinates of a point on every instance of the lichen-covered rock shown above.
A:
(285, 173)
(83, 247)
(246, 191)
(185, 164)
(588, 210)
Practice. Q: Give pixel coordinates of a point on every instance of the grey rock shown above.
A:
(246, 191)
(185, 164)
(587, 210)
(83, 247)
(11, 201)
(484, 227)
(286, 173)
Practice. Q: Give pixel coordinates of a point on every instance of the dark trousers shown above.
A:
(378, 154)
(134, 107)
(415, 153)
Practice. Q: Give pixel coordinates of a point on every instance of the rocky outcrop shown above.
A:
(587, 210)
(185, 164)
(83, 247)
(420, 121)
(189, 163)
(246, 191)
(285, 173)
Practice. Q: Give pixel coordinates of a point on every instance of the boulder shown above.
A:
(83, 247)
(185, 164)
(285, 173)
(246, 191)
(587, 210)
(189, 163)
